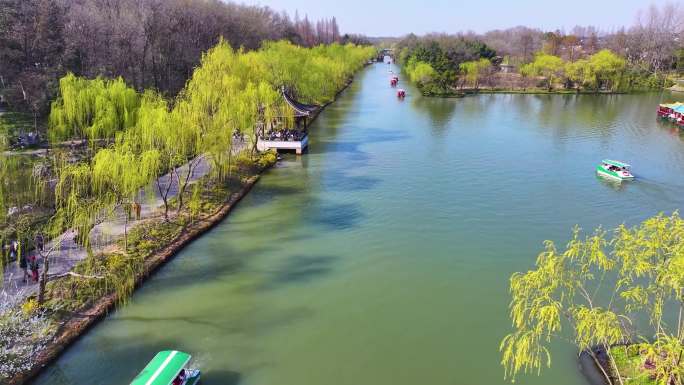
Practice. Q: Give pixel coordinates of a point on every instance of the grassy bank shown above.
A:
(540, 91)
(101, 282)
(632, 365)
(460, 93)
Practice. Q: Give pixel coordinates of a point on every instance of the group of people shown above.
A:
(28, 262)
(290, 135)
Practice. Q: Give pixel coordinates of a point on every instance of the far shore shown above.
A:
(529, 91)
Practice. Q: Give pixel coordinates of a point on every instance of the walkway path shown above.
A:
(69, 253)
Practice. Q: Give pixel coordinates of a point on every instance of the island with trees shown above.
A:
(643, 57)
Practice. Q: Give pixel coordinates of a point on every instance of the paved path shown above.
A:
(68, 253)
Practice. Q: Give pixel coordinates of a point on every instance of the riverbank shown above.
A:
(80, 321)
(631, 367)
(75, 315)
(460, 93)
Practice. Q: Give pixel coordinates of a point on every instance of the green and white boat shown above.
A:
(168, 368)
(614, 169)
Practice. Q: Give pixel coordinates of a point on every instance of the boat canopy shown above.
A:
(616, 163)
(679, 109)
(674, 106)
(163, 368)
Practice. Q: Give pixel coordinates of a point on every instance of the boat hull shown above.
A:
(600, 171)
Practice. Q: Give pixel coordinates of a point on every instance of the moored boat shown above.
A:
(614, 169)
(672, 111)
(168, 367)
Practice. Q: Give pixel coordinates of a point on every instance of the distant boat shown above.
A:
(168, 368)
(401, 93)
(614, 169)
(673, 112)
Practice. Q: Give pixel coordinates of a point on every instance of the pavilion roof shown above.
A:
(300, 109)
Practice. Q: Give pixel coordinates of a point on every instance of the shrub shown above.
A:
(21, 337)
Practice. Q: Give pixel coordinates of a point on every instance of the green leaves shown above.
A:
(419, 72)
(599, 285)
(549, 66)
(596, 326)
(603, 68)
(92, 109)
(231, 91)
(474, 69)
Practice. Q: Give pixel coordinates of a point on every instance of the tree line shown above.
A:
(652, 42)
(148, 43)
(232, 94)
(434, 60)
(639, 57)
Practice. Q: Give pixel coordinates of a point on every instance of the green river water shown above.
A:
(382, 256)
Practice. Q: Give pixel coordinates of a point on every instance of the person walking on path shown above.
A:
(13, 250)
(23, 264)
(137, 208)
(34, 267)
(40, 242)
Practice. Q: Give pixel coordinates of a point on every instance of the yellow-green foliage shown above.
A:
(267, 159)
(603, 68)
(549, 66)
(29, 307)
(231, 91)
(474, 69)
(92, 109)
(599, 289)
(419, 72)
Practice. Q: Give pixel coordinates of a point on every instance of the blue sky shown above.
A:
(398, 17)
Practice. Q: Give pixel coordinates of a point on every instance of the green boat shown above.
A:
(168, 368)
(614, 169)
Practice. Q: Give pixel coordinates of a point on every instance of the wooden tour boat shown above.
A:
(168, 368)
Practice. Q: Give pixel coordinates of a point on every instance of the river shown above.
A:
(383, 255)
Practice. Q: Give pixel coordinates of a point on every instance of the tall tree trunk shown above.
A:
(612, 364)
(181, 187)
(164, 193)
(601, 368)
(43, 279)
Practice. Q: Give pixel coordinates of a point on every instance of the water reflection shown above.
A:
(388, 247)
(439, 112)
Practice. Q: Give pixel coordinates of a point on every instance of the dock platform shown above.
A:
(280, 144)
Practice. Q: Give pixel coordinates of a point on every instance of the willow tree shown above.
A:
(473, 70)
(595, 292)
(156, 130)
(92, 109)
(118, 175)
(549, 66)
(419, 72)
(608, 68)
(581, 73)
(604, 68)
